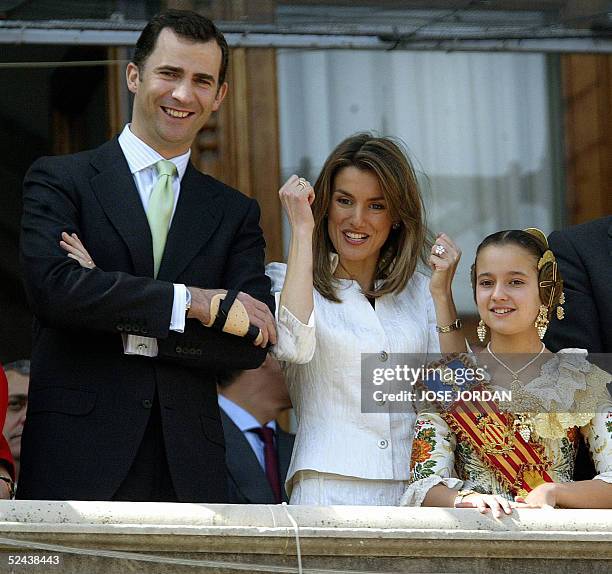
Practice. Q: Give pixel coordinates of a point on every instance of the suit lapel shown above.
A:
(116, 191)
(195, 219)
(243, 466)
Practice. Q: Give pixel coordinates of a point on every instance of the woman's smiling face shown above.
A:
(507, 292)
(359, 221)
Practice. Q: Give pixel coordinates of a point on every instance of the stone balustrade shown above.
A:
(96, 537)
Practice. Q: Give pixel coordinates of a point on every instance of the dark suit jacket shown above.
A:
(89, 403)
(247, 480)
(584, 253)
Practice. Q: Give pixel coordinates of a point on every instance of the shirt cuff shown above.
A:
(179, 308)
(296, 341)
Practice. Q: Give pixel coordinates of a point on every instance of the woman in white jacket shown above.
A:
(351, 286)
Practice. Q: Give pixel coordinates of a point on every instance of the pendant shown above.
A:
(525, 433)
(523, 429)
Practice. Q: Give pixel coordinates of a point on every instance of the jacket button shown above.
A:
(119, 327)
(144, 331)
(383, 443)
(147, 404)
(383, 356)
(179, 350)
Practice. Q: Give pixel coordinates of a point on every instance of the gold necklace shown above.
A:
(515, 374)
(522, 422)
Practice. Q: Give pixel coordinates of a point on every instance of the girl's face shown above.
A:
(507, 292)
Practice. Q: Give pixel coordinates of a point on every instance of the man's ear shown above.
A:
(221, 93)
(132, 76)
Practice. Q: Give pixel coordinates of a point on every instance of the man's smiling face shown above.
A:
(175, 91)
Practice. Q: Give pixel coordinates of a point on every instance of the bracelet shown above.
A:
(11, 485)
(461, 495)
(454, 326)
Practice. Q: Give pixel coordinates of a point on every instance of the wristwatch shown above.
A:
(461, 494)
(187, 301)
(455, 326)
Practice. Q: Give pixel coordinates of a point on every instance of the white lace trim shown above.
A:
(560, 378)
(417, 491)
(605, 476)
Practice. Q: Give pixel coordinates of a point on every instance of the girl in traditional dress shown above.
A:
(499, 455)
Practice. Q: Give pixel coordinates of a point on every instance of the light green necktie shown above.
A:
(159, 210)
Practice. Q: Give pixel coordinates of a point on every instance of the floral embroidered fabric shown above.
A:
(567, 382)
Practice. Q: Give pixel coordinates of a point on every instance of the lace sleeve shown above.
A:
(598, 435)
(433, 459)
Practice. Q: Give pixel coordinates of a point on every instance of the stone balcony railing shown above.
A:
(103, 537)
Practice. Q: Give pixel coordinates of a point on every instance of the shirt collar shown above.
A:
(242, 418)
(140, 155)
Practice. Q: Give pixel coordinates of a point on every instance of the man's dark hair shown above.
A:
(22, 367)
(186, 24)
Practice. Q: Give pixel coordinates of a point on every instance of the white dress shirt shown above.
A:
(333, 435)
(141, 159)
(245, 421)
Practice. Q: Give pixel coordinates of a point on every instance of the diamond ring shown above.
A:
(439, 249)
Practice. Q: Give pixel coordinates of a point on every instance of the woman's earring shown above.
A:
(481, 330)
(395, 226)
(541, 322)
(561, 310)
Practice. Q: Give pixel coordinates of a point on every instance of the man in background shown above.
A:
(584, 255)
(258, 451)
(18, 378)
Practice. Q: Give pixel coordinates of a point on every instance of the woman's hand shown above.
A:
(542, 496)
(483, 502)
(443, 260)
(297, 196)
(76, 250)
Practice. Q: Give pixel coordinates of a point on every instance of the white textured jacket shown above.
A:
(323, 371)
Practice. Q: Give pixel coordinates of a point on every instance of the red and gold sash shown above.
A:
(521, 465)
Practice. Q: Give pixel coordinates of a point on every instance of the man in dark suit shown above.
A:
(250, 402)
(122, 401)
(584, 254)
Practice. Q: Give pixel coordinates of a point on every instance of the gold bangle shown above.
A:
(454, 326)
